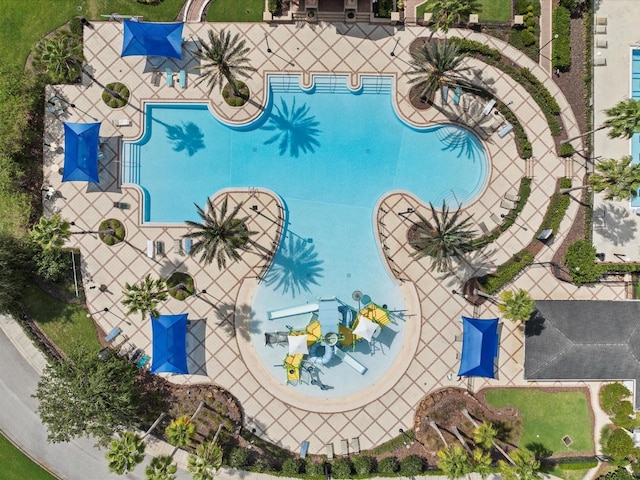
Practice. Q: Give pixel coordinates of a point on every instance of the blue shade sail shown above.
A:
(152, 39)
(81, 152)
(169, 344)
(479, 347)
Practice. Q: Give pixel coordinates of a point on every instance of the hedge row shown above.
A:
(586, 465)
(556, 210)
(528, 80)
(506, 272)
(561, 46)
(524, 144)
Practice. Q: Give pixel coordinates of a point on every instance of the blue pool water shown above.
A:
(330, 154)
(635, 95)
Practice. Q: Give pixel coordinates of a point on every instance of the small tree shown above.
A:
(481, 463)
(60, 57)
(180, 431)
(125, 453)
(84, 395)
(454, 462)
(161, 468)
(206, 461)
(524, 467)
(611, 395)
(144, 297)
(484, 435)
(619, 180)
(518, 306)
(620, 445)
(51, 233)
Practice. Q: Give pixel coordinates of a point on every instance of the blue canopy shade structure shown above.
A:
(81, 152)
(479, 347)
(169, 344)
(152, 39)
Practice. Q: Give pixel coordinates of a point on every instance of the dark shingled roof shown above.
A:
(583, 340)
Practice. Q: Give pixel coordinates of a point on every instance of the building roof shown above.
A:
(583, 340)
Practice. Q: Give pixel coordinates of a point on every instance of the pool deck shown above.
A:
(215, 343)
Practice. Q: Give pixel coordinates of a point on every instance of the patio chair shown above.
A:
(155, 78)
(507, 205)
(188, 243)
(121, 205)
(496, 219)
(143, 361)
(159, 245)
(506, 129)
(182, 79)
(169, 73)
(150, 249)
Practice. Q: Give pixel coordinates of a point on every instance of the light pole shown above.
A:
(460, 294)
(393, 52)
(404, 434)
(552, 39)
(90, 314)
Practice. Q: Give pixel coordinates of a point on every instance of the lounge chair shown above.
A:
(507, 205)
(444, 91)
(304, 448)
(601, 29)
(329, 449)
(488, 107)
(456, 96)
(169, 73)
(506, 129)
(496, 219)
(113, 334)
(150, 249)
(159, 245)
(187, 245)
(182, 79)
(511, 197)
(155, 78)
(143, 361)
(344, 446)
(600, 61)
(355, 445)
(177, 246)
(602, 43)
(122, 122)
(121, 205)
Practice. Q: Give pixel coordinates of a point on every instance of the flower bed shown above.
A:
(116, 95)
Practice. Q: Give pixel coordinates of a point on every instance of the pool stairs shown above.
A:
(330, 84)
(131, 163)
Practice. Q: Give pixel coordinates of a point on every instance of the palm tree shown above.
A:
(620, 179)
(219, 237)
(161, 468)
(518, 306)
(223, 58)
(51, 233)
(453, 461)
(481, 463)
(125, 453)
(484, 435)
(624, 120)
(180, 431)
(525, 466)
(437, 64)
(60, 57)
(443, 239)
(445, 13)
(144, 297)
(206, 461)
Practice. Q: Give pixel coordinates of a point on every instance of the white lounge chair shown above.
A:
(150, 249)
(511, 197)
(506, 129)
(122, 122)
(488, 107)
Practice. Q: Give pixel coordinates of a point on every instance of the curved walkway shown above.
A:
(307, 49)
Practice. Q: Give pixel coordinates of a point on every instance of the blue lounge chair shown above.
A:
(113, 334)
(182, 79)
(456, 96)
(169, 77)
(445, 94)
(187, 245)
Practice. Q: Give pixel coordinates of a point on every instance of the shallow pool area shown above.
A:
(635, 95)
(330, 153)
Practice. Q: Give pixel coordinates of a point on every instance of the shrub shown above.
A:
(364, 465)
(314, 469)
(524, 6)
(411, 466)
(341, 468)
(620, 445)
(238, 458)
(622, 412)
(528, 38)
(273, 6)
(292, 467)
(561, 46)
(262, 464)
(384, 8)
(566, 150)
(555, 212)
(116, 227)
(388, 465)
(116, 95)
(611, 395)
(53, 264)
(584, 463)
(529, 21)
(581, 261)
(75, 25)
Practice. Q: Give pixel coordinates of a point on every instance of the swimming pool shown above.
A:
(635, 95)
(330, 153)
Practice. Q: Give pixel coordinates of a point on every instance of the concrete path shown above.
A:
(546, 24)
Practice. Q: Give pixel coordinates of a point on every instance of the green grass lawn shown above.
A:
(23, 23)
(491, 11)
(235, 11)
(17, 466)
(65, 324)
(548, 417)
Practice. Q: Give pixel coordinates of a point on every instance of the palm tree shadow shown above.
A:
(295, 266)
(186, 137)
(614, 223)
(460, 142)
(295, 130)
(237, 320)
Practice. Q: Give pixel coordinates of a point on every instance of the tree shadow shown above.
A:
(294, 267)
(296, 130)
(614, 223)
(186, 137)
(535, 325)
(459, 141)
(236, 319)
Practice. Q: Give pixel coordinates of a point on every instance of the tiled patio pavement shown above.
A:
(214, 343)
